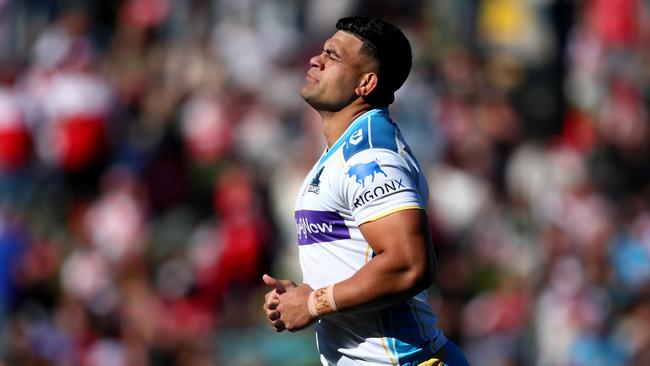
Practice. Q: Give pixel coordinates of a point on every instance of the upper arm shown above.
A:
(378, 182)
(404, 238)
(387, 199)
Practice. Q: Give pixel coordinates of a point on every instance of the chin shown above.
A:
(309, 98)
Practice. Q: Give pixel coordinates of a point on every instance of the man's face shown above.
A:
(334, 74)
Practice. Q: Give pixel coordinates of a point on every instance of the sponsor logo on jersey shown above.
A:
(314, 186)
(362, 171)
(320, 227)
(356, 137)
(378, 191)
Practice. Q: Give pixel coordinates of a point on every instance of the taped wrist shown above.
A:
(321, 302)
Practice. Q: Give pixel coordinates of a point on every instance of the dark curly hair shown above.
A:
(387, 44)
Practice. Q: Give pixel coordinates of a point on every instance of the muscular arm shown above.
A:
(403, 265)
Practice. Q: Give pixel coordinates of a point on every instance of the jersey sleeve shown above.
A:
(378, 182)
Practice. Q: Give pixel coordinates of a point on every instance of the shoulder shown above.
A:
(374, 131)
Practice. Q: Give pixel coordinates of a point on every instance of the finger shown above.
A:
(267, 309)
(287, 284)
(278, 325)
(273, 315)
(270, 297)
(273, 304)
(274, 282)
(269, 280)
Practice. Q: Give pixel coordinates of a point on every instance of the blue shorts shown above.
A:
(448, 355)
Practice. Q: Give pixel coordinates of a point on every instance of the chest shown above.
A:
(320, 189)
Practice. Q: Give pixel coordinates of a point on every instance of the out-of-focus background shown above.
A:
(151, 150)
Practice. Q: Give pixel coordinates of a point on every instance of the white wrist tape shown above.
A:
(321, 301)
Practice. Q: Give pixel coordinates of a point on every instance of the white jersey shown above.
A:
(368, 173)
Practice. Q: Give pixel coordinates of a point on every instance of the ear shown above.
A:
(367, 84)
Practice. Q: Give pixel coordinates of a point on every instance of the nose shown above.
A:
(316, 61)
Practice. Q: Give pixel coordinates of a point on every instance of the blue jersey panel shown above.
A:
(374, 130)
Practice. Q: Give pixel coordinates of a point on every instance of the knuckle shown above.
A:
(278, 326)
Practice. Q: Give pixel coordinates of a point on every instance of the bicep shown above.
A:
(404, 237)
(403, 264)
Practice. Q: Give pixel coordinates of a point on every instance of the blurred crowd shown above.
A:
(151, 150)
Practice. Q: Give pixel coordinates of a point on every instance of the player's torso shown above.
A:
(370, 163)
(367, 174)
(331, 245)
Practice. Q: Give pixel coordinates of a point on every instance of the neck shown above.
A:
(335, 123)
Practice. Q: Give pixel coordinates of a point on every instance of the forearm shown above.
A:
(381, 283)
(403, 266)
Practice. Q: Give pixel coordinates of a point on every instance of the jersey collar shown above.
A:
(348, 132)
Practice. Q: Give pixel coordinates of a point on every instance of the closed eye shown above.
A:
(332, 54)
